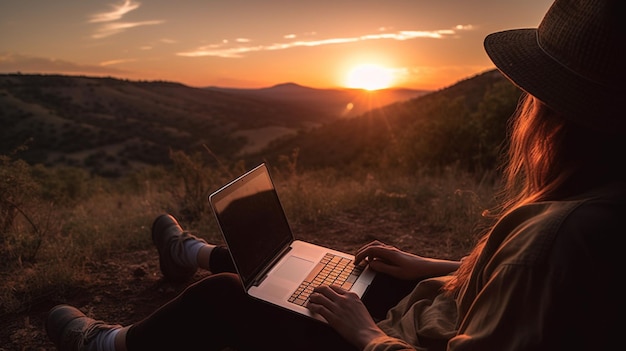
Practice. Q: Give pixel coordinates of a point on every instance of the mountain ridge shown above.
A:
(114, 126)
(344, 102)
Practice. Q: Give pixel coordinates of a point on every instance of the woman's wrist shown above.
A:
(439, 267)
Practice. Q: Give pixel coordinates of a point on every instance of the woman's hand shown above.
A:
(345, 312)
(402, 265)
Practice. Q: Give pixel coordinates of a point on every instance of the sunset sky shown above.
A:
(252, 44)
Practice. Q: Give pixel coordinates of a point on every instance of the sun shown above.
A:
(370, 77)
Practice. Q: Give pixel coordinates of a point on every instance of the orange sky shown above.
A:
(248, 44)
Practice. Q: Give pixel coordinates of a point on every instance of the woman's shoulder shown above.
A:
(588, 224)
(598, 214)
(593, 228)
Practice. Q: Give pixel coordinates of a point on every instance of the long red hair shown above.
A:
(548, 158)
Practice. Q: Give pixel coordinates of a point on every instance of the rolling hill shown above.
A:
(333, 102)
(113, 126)
(464, 124)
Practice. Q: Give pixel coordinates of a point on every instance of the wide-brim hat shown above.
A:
(574, 61)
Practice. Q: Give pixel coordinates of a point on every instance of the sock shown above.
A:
(189, 257)
(104, 341)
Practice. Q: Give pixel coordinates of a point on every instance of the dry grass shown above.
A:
(447, 206)
(321, 206)
(96, 252)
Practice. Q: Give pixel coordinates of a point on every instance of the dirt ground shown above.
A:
(127, 287)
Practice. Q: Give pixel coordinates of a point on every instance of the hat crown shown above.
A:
(585, 36)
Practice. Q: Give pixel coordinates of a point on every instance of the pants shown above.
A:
(216, 314)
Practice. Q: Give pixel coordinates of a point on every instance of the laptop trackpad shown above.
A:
(294, 268)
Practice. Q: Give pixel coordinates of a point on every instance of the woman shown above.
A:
(539, 279)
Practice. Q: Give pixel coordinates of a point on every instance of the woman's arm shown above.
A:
(403, 265)
(346, 313)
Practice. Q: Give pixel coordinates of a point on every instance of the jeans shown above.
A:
(216, 314)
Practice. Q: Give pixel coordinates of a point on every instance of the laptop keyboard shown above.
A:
(331, 270)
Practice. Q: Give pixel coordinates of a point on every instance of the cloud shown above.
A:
(118, 27)
(115, 62)
(11, 62)
(239, 51)
(225, 51)
(118, 12)
(112, 25)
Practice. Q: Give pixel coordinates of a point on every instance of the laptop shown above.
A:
(272, 265)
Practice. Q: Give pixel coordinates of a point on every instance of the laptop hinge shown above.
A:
(263, 274)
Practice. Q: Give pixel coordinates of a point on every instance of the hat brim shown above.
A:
(517, 54)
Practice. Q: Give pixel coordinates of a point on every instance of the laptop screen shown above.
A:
(252, 221)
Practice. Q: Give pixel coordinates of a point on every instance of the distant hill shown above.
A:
(462, 125)
(334, 102)
(113, 126)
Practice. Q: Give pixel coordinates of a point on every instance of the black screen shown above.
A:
(252, 221)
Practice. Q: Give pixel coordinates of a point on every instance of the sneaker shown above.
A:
(70, 330)
(168, 237)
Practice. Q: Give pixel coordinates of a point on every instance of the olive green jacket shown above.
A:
(547, 279)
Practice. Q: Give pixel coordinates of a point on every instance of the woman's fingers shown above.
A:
(366, 246)
(323, 300)
(330, 292)
(370, 251)
(345, 312)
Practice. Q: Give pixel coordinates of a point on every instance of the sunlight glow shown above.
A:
(370, 77)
